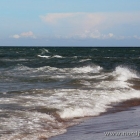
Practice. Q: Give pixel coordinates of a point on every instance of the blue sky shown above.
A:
(70, 23)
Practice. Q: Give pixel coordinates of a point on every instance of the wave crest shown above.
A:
(88, 69)
(124, 73)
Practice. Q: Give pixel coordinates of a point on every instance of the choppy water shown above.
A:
(42, 90)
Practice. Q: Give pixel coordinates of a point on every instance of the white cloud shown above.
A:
(137, 37)
(90, 34)
(68, 25)
(88, 25)
(24, 35)
(110, 35)
(107, 36)
(94, 35)
(53, 18)
(16, 36)
(73, 20)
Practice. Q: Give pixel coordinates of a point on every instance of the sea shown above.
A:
(44, 90)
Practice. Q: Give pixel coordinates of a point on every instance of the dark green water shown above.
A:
(106, 57)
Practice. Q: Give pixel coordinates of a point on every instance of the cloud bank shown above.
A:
(89, 25)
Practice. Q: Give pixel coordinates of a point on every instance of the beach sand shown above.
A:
(123, 118)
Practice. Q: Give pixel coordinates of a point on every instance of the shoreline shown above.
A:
(117, 118)
(122, 106)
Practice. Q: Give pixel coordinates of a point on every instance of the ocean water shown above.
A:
(45, 90)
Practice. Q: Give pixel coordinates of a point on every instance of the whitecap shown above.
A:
(83, 60)
(87, 69)
(57, 56)
(43, 56)
(124, 73)
(94, 103)
(45, 51)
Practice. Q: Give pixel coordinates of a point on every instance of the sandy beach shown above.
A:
(120, 122)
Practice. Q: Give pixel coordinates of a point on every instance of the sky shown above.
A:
(70, 23)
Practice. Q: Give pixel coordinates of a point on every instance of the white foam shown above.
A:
(44, 51)
(92, 107)
(34, 124)
(54, 72)
(4, 93)
(74, 56)
(21, 67)
(113, 84)
(80, 103)
(87, 69)
(43, 56)
(123, 74)
(70, 103)
(85, 82)
(83, 60)
(45, 68)
(57, 56)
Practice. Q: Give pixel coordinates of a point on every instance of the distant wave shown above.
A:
(87, 69)
(55, 56)
(83, 60)
(43, 56)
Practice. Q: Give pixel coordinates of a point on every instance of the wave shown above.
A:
(57, 56)
(124, 73)
(36, 126)
(83, 60)
(94, 49)
(117, 79)
(40, 119)
(100, 105)
(13, 60)
(87, 69)
(43, 56)
(93, 103)
(44, 51)
(70, 71)
(120, 74)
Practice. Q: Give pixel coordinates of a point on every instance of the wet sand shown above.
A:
(123, 118)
